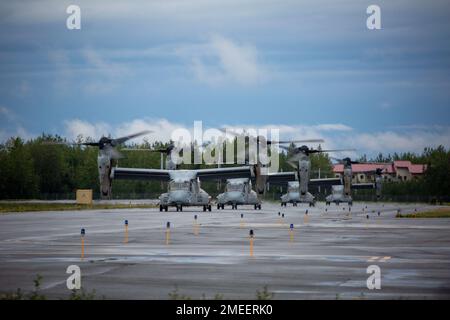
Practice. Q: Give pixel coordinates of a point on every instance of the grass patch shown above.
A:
(437, 213)
(30, 207)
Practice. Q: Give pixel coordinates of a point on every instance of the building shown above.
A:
(392, 172)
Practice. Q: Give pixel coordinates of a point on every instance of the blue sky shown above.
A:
(296, 65)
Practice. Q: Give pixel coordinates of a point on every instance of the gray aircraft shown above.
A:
(238, 192)
(183, 185)
(301, 161)
(342, 194)
(107, 155)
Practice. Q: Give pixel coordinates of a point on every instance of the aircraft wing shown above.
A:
(224, 173)
(363, 186)
(325, 182)
(281, 178)
(140, 174)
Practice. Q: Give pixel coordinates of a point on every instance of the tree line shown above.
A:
(45, 168)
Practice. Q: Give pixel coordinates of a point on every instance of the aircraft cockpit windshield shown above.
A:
(235, 187)
(174, 185)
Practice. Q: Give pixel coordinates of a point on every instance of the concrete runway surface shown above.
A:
(327, 258)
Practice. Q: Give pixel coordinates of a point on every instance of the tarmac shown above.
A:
(325, 256)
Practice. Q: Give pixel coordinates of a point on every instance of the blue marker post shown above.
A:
(195, 225)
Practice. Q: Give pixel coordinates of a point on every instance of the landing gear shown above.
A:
(160, 208)
(257, 206)
(209, 208)
(328, 203)
(283, 204)
(179, 208)
(350, 203)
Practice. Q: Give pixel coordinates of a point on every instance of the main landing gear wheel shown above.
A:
(257, 207)
(209, 208)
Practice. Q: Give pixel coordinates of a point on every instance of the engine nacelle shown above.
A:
(104, 173)
(260, 173)
(378, 186)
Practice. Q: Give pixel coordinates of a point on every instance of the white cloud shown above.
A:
(76, 127)
(6, 113)
(334, 127)
(17, 131)
(336, 136)
(105, 75)
(99, 75)
(225, 61)
(161, 129)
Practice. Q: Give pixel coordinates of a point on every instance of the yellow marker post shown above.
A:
(195, 225)
(126, 232)
(251, 243)
(291, 232)
(168, 233)
(305, 218)
(83, 232)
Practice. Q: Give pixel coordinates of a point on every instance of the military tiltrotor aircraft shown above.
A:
(107, 154)
(238, 192)
(342, 194)
(267, 179)
(300, 160)
(183, 185)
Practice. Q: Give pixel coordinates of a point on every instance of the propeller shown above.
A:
(262, 139)
(345, 161)
(106, 144)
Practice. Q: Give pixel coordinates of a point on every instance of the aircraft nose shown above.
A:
(179, 196)
(236, 196)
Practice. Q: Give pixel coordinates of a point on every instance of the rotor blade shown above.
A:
(333, 150)
(131, 136)
(91, 144)
(113, 153)
(135, 149)
(300, 141)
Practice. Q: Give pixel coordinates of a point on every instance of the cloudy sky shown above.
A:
(310, 68)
